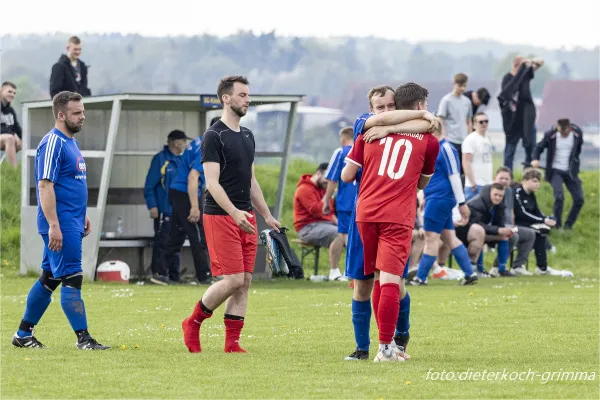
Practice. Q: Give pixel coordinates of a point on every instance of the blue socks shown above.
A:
(73, 307)
(480, 262)
(425, 266)
(38, 301)
(403, 324)
(361, 319)
(461, 255)
(502, 254)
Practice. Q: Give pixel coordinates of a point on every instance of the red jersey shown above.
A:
(392, 167)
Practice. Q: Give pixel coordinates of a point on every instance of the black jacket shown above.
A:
(508, 99)
(63, 78)
(485, 213)
(549, 142)
(526, 209)
(8, 120)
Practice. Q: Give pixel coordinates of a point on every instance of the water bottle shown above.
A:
(120, 227)
(318, 278)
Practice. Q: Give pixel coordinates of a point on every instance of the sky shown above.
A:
(507, 21)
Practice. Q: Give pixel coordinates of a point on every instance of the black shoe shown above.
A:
(86, 342)
(160, 280)
(416, 281)
(471, 280)
(27, 341)
(402, 340)
(358, 355)
(507, 273)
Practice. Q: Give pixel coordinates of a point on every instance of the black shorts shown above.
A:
(462, 232)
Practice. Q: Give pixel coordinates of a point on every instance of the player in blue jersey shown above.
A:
(442, 194)
(186, 195)
(61, 189)
(382, 120)
(346, 192)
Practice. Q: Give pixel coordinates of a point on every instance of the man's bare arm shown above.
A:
(331, 185)
(393, 117)
(212, 171)
(192, 187)
(257, 197)
(423, 181)
(442, 128)
(48, 201)
(349, 172)
(467, 160)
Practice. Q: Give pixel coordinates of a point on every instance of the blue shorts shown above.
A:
(355, 258)
(344, 221)
(438, 215)
(67, 261)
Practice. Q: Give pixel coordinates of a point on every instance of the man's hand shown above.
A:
(241, 219)
(55, 238)
(326, 206)
(154, 213)
(88, 226)
(535, 163)
(465, 213)
(273, 223)
(433, 121)
(550, 222)
(375, 133)
(421, 233)
(194, 215)
(506, 232)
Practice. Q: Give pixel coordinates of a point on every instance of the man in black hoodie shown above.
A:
(529, 216)
(70, 73)
(10, 130)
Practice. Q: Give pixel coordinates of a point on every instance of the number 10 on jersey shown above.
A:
(392, 159)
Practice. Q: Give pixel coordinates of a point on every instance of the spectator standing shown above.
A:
(477, 157)
(70, 73)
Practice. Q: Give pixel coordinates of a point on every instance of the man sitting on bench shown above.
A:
(312, 225)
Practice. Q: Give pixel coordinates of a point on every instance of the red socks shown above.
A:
(191, 329)
(233, 329)
(387, 312)
(375, 299)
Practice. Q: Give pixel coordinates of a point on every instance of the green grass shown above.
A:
(297, 333)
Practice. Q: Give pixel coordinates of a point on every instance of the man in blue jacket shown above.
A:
(163, 170)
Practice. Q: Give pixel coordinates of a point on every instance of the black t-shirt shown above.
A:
(469, 95)
(234, 151)
(524, 88)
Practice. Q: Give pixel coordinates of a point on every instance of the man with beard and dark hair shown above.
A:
(60, 174)
(231, 230)
(312, 225)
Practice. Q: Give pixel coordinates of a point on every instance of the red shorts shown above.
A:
(386, 246)
(231, 249)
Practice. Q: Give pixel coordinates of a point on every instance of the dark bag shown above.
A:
(285, 251)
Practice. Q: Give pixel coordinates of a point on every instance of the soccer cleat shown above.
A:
(521, 271)
(402, 340)
(387, 353)
(416, 281)
(412, 273)
(191, 334)
(358, 355)
(548, 271)
(399, 350)
(469, 280)
(439, 273)
(507, 273)
(274, 259)
(86, 342)
(27, 341)
(484, 274)
(159, 280)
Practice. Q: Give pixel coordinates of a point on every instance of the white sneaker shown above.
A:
(399, 350)
(494, 272)
(566, 274)
(453, 273)
(521, 271)
(387, 353)
(548, 271)
(337, 276)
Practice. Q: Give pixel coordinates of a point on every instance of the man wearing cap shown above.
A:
(163, 170)
(186, 194)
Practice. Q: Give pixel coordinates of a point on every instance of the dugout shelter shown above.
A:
(121, 134)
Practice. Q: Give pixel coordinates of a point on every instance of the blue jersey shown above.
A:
(446, 164)
(359, 125)
(191, 158)
(346, 192)
(162, 172)
(59, 160)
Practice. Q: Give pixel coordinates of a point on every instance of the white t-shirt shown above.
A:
(482, 165)
(564, 146)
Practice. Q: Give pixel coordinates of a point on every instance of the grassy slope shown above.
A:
(298, 332)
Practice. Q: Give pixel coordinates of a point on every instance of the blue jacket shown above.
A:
(160, 175)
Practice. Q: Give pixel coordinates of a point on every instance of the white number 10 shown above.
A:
(393, 158)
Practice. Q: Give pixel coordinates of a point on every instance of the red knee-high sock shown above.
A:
(389, 306)
(233, 329)
(375, 299)
(191, 328)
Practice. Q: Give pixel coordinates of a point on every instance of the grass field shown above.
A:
(297, 333)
